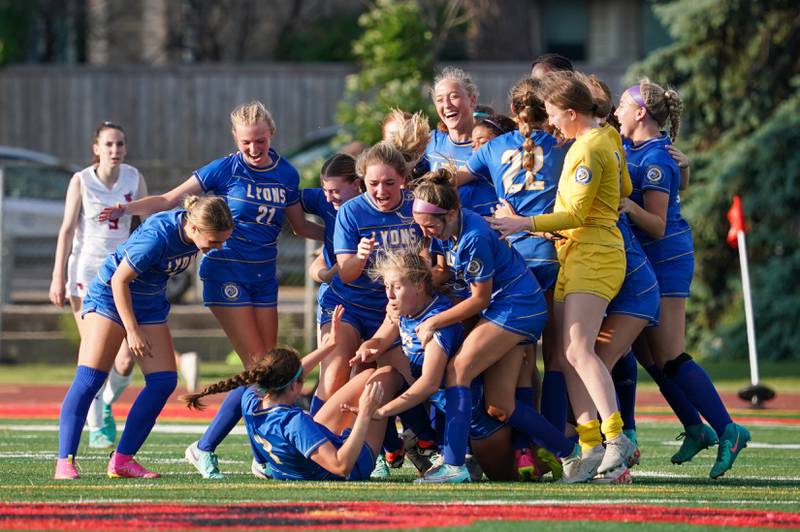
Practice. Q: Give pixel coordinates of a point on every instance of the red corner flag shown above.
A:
(736, 219)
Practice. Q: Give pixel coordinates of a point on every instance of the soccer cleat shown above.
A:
(618, 475)
(66, 469)
(634, 459)
(474, 468)
(580, 467)
(127, 468)
(547, 461)
(395, 460)
(526, 469)
(445, 473)
(695, 439)
(733, 440)
(260, 470)
(381, 470)
(99, 440)
(420, 453)
(205, 462)
(619, 451)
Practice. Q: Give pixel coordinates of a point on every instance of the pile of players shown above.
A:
(447, 255)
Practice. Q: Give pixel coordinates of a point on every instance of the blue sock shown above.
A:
(697, 385)
(158, 387)
(230, 412)
(391, 441)
(529, 421)
(438, 423)
(458, 406)
(686, 412)
(625, 374)
(416, 419)
(316, 404)
(524, 395)
(554, 399)
(75, 408)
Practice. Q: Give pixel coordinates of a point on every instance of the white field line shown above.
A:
(753, 445)
(166, 428)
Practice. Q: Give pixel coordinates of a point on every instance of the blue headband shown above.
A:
(296, 376)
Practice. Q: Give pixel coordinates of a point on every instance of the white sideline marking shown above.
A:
(166, 428)
(659, 474)
(753, 445)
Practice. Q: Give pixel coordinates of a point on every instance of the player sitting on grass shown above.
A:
(338, 443)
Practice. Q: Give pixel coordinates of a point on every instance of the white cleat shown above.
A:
(582, 467)
(619, 452)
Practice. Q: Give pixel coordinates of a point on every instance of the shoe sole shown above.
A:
(744, 446)
(612, 478)
(117, 475)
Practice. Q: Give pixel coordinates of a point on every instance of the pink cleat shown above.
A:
(66, 469)
(124, 466)
(526, 468)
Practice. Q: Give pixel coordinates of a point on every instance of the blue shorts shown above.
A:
(365, 462)
(481, 424)
(638, 296)
(522, 311)
(238, 294)
(675, 275)
(546, 273)
(320, 294)
(366, 322)
(147, 309)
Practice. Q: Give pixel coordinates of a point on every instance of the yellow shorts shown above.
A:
(588, 268)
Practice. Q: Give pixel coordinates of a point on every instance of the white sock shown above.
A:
(115, 386)
(95, 417)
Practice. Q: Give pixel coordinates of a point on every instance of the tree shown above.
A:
(737, 68)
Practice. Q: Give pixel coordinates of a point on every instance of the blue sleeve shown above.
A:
(216, 175)
(478, 256)
(293, 185)
(251, 400)
(656, 177)
(305, 434)
(435, 247)
(449, 338)
(479, 163)
(346, 235)
(144, 249)
(310, 201)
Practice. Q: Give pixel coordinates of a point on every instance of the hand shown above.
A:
(681, 158)
(425, 331)
(367, 352)
(111, 213)
(139, 344)
(336, 326)
(370, 399)
(509, 225)
(504, 209)
(365, 247)
(393, 311)
(379, 414)
(626, 205)
(326, 275)
(57, 292)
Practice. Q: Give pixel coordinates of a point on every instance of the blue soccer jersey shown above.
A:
(500, 161)
(652, 168)
(257, 198)
(285, 437)
(156, 250)
(479, 195)
(361, 218)
(314, 202)
(449, 338)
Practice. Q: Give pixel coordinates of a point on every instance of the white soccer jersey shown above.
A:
(94, 240)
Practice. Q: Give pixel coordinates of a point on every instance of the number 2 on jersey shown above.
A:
(265, 214)
(267, 446)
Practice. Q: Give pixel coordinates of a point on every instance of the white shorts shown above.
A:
(81, 271)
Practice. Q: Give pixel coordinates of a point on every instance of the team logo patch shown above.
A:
(654, 175)
(231, 291)
(583, 175)
(474, 267)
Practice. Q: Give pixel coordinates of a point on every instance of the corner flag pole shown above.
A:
(756, 393)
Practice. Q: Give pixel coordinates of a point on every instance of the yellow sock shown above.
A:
(589, 435)
(612, 427)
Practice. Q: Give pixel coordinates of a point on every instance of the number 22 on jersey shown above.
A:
(514, 159)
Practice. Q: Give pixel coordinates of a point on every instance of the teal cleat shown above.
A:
(205, 462)
(634, 459)
(445, 474)
(259, 470)
(381, 471)
(99, 440)
(695, 439)
(733, 440)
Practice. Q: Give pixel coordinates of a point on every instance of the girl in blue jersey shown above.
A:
(127, 301)
(524, 166)
(490, 126)
(512, 309)
(239, 283)
(379, 219)
(654, 209)
(454, 96)
(339, 442)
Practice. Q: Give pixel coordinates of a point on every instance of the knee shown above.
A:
(574, 356)
(458, 373)
(162, 382)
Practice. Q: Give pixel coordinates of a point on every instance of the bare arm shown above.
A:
(303, 226)
(683, 164)
(151, 204)
(463, 177)
(652, 218)
(380, 342)
(137, 341)
(72, 212)
(478, 300)
(341, 461)
(310, 361)
(320, 272)
(433, 368)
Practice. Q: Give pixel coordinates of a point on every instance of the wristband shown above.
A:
(533, 223)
